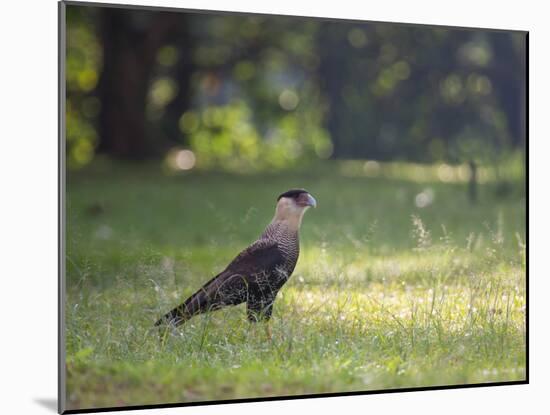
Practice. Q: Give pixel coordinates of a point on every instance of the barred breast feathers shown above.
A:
(287, 241)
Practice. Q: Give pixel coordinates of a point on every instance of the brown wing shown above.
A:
(263, 256)
(230, 287)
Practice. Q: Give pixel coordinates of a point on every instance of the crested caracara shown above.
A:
(257, 274)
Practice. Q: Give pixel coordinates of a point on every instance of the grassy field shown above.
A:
(386, 294)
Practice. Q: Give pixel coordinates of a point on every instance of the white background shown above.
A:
(28, 203)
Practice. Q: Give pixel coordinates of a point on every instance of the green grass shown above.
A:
(385, 294)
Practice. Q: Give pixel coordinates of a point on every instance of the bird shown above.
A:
(256, 274)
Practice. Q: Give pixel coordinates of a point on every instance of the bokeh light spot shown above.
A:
(445, 173)
(188, 122)
(357, 38)
(424, 198)
(167, 56)
(87, 79)
(371, 168)
(244, 70)
(163, 90)
(288, 100)
(185, 159)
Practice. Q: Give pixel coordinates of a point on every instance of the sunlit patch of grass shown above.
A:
(426, 173)
(379, 299)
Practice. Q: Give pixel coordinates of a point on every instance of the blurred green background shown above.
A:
(253, 93)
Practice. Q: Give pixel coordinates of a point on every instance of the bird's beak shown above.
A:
(311, 201)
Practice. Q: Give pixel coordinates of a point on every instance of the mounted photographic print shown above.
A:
(260, 207)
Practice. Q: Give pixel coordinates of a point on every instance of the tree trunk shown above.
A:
(129, 51)
(332, 80)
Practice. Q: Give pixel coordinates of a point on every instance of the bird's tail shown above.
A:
(199, 302)
(175, 317)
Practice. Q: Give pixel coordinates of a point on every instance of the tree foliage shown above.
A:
(254, 92)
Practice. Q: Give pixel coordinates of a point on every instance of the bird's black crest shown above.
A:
(292, 193)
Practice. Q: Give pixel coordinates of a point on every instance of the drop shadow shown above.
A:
(48, 403)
